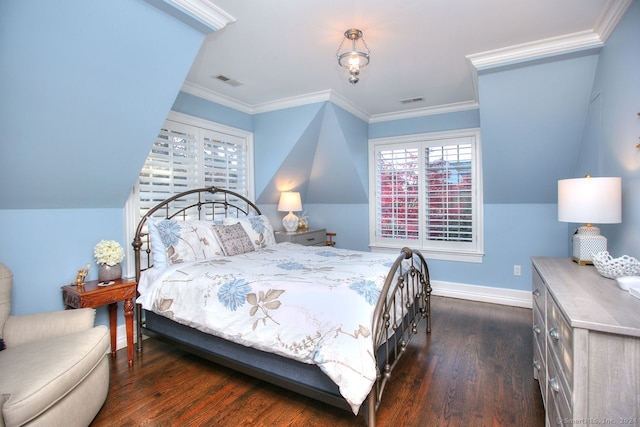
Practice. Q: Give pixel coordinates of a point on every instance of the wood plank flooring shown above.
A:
(474, 369)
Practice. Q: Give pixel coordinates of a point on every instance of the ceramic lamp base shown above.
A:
(587, 242)
(290, 222)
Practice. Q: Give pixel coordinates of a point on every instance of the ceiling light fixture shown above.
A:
(353, 60)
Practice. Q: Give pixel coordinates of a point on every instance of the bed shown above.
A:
(325, 322)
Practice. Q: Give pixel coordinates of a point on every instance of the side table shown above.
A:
(311, 237)
(91, 295)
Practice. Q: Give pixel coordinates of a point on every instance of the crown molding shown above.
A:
(579, 41)
(610, 17)
(218, 98)
(311, 98)
(349, 106)
(294, 101)
(207, 12)
(427, 111)
(533, 50)
(321, 96)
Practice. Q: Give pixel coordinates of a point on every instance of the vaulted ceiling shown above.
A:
(283, 53)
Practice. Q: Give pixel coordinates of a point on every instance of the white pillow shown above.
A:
(258, 228)
(174, 242)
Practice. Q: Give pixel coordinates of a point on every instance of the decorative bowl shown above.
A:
(613, 268)
(627, 282)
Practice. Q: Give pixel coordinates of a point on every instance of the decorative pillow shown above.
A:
(233, 239)
(258, 228)
(158, 251)
(174, 242)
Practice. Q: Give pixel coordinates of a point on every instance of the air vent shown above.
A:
(227, 80)
(412, 100)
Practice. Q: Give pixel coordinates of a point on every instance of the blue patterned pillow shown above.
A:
(174, 242)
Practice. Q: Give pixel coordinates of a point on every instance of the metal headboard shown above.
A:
(210, 203)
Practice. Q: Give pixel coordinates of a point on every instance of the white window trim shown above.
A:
(475, 253)
(217, 127)
(132, 205)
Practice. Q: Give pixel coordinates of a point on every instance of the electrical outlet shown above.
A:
(517, 270)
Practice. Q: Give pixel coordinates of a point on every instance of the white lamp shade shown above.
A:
(590, 200)
(290, 201)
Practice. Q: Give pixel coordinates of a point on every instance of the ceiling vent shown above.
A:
(412, 100)
(227, 80)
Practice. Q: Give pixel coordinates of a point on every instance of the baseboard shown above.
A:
(121, 338)
(488, 294)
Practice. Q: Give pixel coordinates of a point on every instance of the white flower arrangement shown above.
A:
(108, 252)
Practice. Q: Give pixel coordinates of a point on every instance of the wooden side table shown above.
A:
(90, 295)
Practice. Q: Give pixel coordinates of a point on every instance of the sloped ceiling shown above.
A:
(85, 87)
(532, 121)
(323, 163)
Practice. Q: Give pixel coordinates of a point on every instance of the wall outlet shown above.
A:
(517, 270)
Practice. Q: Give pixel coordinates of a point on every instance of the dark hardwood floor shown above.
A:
(474, 369)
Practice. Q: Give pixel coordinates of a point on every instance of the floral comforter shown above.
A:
(308, 303)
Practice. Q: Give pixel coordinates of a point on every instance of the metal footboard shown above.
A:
(396, 318)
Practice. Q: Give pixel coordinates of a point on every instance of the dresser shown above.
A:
(311, 237)
(586, 345)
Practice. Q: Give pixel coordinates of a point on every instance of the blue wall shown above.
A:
(613, 129)
(80, 97)
(56, 115)
(84, 87)
(44, 248)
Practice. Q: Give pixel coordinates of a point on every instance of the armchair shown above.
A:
(54, 370)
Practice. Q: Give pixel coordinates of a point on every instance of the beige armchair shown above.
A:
(54, 370)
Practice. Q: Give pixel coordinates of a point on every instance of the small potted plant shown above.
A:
(109, 254)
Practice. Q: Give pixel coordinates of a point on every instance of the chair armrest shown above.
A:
(32, 327)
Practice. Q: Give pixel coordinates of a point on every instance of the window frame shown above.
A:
(132, 206)
(451, 251)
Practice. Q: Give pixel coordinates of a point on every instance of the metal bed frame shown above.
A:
(408, 299)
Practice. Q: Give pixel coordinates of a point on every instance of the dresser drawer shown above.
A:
(538, 292)
(558, 397)
(539, 352)
(540, 370)
(559, 341)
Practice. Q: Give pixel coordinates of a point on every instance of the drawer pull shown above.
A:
(553, 383)
(536, 364)
(536, 292)
(536, 329)
(311, 239)
(553, 333)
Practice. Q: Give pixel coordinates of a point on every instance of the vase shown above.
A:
(107, 273)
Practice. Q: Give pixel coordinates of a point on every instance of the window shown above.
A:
(426, 193)
(190, 153)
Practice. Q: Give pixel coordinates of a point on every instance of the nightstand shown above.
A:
(90, 295)
(311, 237)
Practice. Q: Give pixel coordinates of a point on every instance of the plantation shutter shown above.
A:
(398, 194)
(225, 160)
(449, 192)
(185, 156)
(426, 193)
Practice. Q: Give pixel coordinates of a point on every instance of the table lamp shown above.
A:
(289, 202)
(589, 200)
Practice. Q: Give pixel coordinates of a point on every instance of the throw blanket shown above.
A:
(308, 303)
